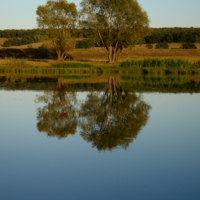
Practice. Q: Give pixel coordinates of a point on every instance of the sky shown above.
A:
(21, 14)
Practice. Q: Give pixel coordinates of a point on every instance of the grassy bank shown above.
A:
(94, 61)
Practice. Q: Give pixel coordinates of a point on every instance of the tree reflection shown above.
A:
(58, 116)
(113, 118)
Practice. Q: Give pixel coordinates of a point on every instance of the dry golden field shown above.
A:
(99, 55)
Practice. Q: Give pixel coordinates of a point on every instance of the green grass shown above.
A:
(154, 62)
(11, 61)
(72, 65)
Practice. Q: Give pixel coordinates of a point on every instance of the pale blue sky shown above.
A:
(20, 14)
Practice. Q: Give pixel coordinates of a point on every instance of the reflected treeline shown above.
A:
(141, 83)
(169, 83)
(21, 82)
(112, 118)
(58, 116)
(108, 119)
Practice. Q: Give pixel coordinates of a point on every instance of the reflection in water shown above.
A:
(108, 119)
(58, 116)
(113, 118)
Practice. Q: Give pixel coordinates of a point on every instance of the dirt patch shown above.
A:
(2, 40)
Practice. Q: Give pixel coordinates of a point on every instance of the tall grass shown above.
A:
(14, 62)
(154, 62)
(72, 65)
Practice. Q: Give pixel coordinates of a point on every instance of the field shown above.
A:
(98, 56)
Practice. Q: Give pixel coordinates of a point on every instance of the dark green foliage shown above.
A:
(27, 53)
(173, 35)
(23, 41)
(180, 35)
(188, 45)
(84, 44)
(6, 43)
(149, 46)
(168, 38)
(162, 45)
(157, 63)
(21, 33)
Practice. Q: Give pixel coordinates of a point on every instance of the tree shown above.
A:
(84, 44)
(58, 18)
(162, 45)
(6, 43)
(116, 23)
(188, 45)
(149, 46)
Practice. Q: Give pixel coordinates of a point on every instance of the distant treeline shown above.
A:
(169, 35)
(22, 37)
(21, 33)
(12, 33)
(158, 35)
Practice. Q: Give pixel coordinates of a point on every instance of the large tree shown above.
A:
(58, 18)
(117, 23)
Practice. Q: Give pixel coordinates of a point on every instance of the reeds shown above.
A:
(72, 65)
(154, 62)
(15, 62)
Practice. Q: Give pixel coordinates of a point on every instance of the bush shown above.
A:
(84, 44)
(162, 45)
(149, 46)
(43, 46)
(6, 43)
(188, 45)
(17, 42)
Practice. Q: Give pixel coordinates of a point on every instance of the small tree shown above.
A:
(58, 18)
(162, 45)
(116, 23)
(188, 45)
(6, 43)
(84, 44)
(149, 46)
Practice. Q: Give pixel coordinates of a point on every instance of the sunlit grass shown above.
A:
(14, 62)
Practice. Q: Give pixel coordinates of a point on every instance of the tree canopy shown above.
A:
(59, 18)
(116, 23)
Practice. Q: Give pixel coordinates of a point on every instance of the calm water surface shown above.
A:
(58, 145)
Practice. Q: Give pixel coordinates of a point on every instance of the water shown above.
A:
(160, 161)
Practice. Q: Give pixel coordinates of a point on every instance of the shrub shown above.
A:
(162, 45)
(149, 46)
(84, 44)
(188, 45)
(43, 46)
(6, 43)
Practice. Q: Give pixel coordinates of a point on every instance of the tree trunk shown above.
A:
(114, 53)
(60, 55)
